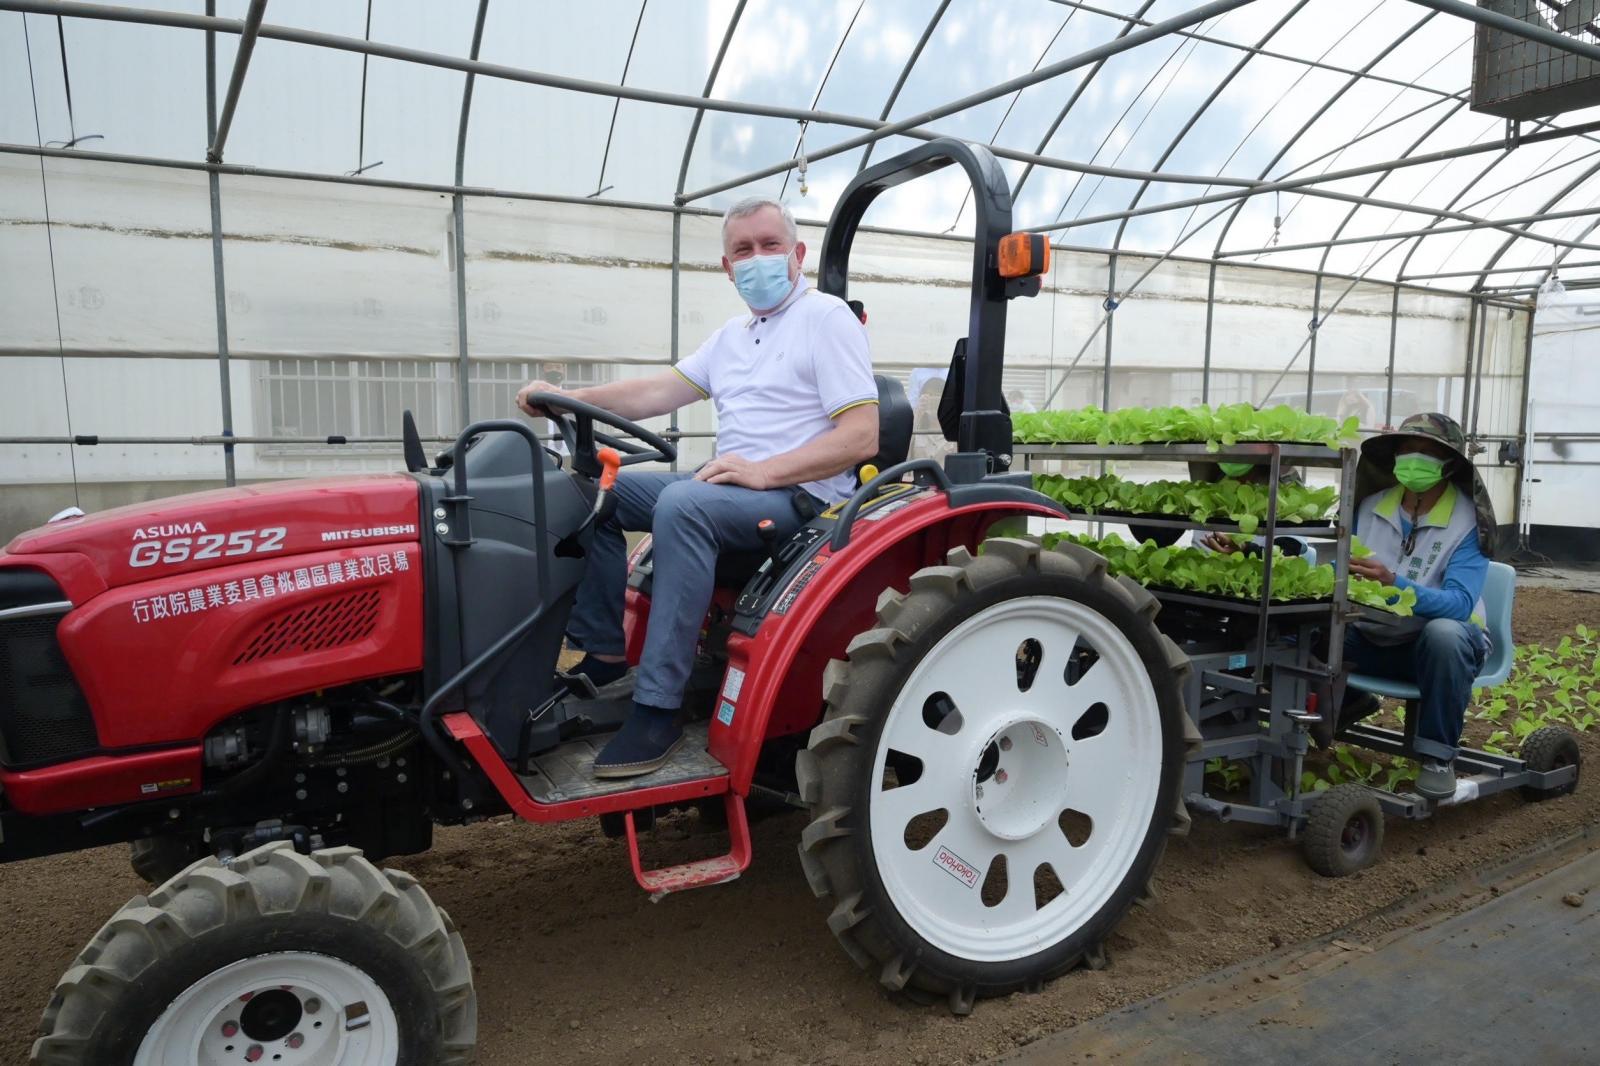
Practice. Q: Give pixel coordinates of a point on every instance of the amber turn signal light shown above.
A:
(1023, 255)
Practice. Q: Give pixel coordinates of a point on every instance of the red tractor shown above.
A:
(265, 689)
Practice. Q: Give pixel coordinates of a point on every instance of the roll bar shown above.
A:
(984, 425)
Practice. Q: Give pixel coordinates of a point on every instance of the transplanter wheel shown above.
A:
(996, 773)
(1344, 832)
(1549, 748)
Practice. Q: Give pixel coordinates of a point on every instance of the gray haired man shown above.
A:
(796, 408)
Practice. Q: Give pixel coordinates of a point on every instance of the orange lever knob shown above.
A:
(610, 463)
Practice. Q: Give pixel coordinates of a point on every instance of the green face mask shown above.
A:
(1237, 469)
(1418, 472)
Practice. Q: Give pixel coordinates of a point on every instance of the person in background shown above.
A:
(1225, 543)
(1253, 474)
(1355, 402)
(928, 440)
(1019, 402)
(1426, 517)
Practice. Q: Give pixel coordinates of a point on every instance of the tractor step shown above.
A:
(567, 772)
(716, 870)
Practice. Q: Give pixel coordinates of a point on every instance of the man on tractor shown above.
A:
(1426, 516)
(796, 412)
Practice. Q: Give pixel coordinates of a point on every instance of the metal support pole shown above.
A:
(241, 61)
(1466, 372)
(218, 279)
(1394, 327)
(1543, 268)
(458, 205)
(1477, 392)
(877, 130)
(1311, 356)
(1432, 231)
(1082, 59)
(1211, 304)
(1506, 24)
(1306, 182)
(677, 262)
(1111, 321)
(1524, 464)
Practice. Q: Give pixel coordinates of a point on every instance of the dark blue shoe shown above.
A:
(590, 675)
(644, 743)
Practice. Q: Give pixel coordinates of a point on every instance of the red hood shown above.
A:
(227, 526)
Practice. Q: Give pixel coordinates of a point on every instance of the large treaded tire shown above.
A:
(1549, 748)
(332, 903)
(1344, 831)
(836, 772)
(155, 859)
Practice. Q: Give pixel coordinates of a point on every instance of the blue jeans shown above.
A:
(1442, 662)
(692, 522)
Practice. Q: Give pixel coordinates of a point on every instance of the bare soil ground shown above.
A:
(575, 965)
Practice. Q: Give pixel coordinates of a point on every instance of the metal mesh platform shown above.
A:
(566, 773)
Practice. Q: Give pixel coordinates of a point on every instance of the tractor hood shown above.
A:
(222, 527)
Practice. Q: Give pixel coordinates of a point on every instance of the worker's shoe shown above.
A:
(645, 742)
(1436, 780)
(590, 675)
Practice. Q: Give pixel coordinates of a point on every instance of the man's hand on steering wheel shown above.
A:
(529, 389)
(735, 469)
(576, 419)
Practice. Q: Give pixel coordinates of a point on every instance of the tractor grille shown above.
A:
(328, 624)
(43, 715)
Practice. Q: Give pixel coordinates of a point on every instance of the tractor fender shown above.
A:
(774, 683)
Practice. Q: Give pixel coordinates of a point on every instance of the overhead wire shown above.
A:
(1398, 93)
(600, 186)
(50, 245)
(361, 126)
(815, 100)
(966, 197)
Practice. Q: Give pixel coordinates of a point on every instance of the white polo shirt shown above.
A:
(780, 379)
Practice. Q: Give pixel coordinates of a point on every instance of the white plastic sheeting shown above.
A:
(341, 300)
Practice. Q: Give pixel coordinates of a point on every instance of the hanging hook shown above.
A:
(801, 159)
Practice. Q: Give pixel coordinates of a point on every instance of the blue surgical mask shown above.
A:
(763, 280)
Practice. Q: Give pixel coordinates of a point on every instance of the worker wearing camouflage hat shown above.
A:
(1426, 517)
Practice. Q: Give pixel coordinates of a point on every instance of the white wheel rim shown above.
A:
(1113, 777)
(243, 1013)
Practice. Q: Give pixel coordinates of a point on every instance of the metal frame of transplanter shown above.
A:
(1257, 683)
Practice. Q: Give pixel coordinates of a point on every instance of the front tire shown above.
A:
(280, 956)
(996, 773)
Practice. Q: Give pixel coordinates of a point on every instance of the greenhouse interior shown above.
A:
(248, 242)
(1259, 202)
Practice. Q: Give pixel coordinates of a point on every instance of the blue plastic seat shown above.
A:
(1499, 588)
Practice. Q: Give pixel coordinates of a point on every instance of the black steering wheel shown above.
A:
(575, 420)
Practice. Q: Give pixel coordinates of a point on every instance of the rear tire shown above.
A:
(155, 859)
(1344, 832)
(322, 957)
(1550, 748)
(893, 904)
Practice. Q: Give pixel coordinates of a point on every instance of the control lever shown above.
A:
(767, 530)
(610, 462)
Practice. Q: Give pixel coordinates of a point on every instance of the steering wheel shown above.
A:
(575, 419)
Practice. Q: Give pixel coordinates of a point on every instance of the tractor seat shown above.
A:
(1499, 589)
(895, 418)
(895, 421)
